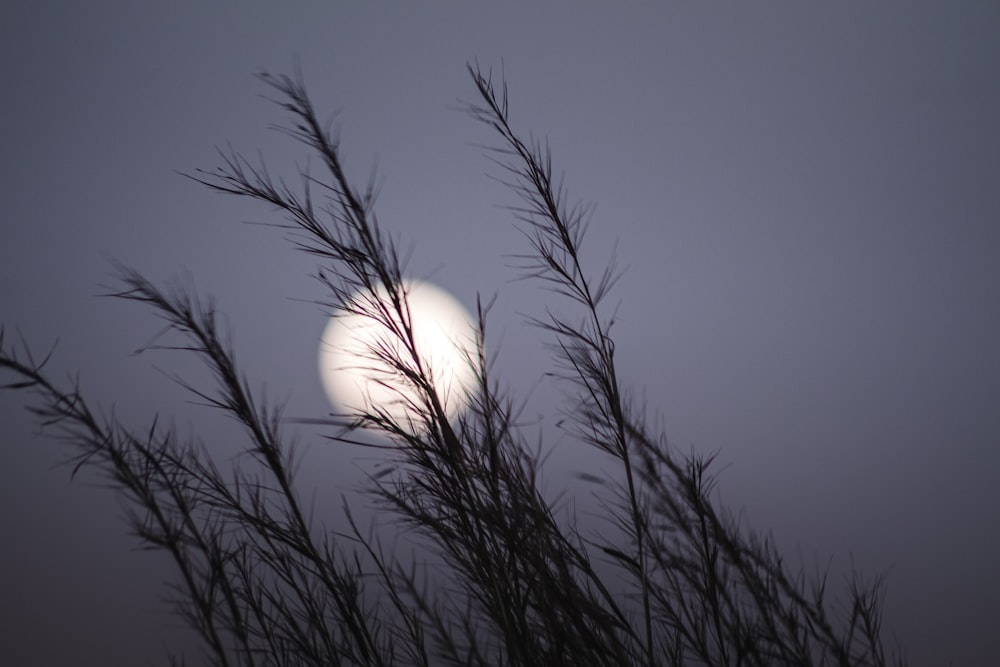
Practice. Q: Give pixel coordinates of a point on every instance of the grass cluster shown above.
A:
(499, 575)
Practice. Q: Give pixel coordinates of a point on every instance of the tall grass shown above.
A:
(497, 576)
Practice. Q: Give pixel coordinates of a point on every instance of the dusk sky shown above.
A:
(806, 199)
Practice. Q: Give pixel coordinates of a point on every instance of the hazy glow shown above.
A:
(354, 378)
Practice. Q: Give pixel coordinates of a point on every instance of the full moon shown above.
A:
(356, 380)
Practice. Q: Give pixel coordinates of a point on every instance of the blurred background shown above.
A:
(806, 199)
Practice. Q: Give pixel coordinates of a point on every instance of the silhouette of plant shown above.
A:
(497, 574)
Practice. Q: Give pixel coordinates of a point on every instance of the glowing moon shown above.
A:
(356, 380)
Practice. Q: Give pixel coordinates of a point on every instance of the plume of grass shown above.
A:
(494, 572)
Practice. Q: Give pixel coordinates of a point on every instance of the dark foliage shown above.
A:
(510, 580)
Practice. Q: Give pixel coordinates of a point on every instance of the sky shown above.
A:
(805, 197)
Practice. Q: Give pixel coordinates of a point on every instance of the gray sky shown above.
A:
(807, 199)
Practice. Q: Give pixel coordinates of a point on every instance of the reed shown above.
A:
(497, 574)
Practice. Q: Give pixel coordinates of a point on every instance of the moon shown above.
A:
(356, 381)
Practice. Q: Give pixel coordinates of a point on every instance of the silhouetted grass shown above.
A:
(496, 576)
